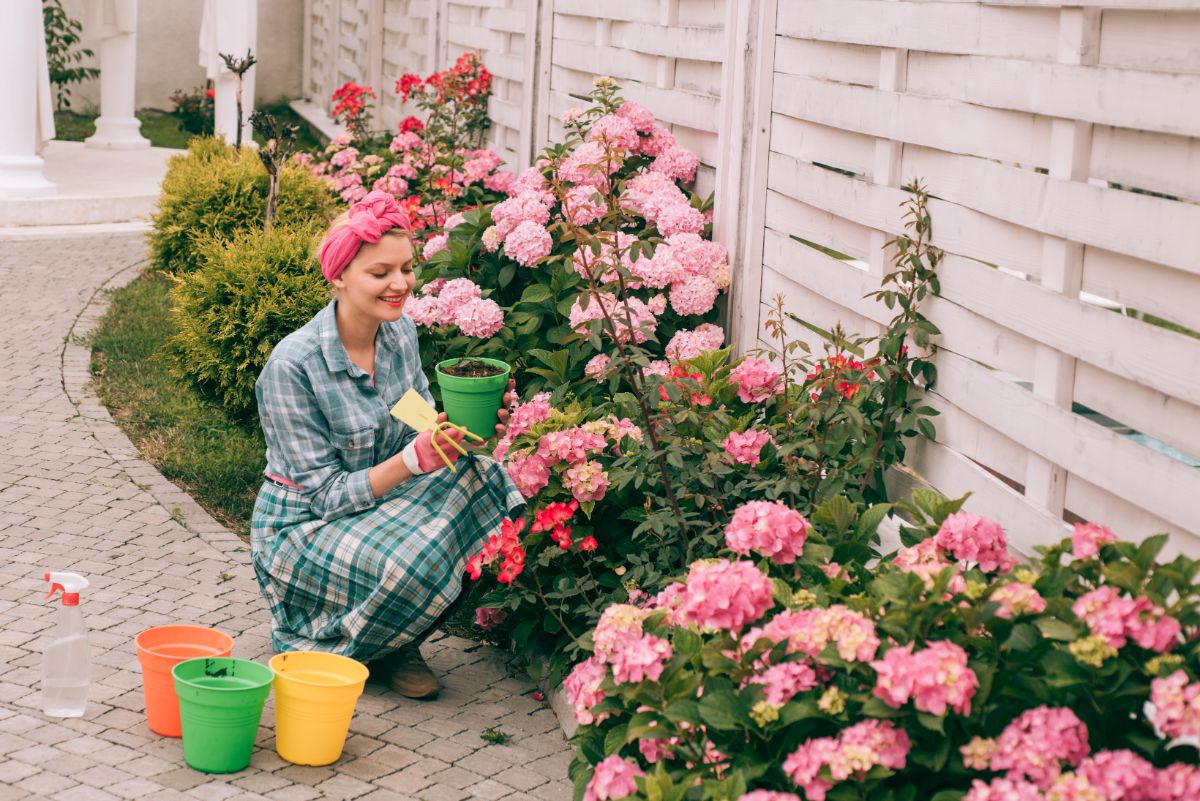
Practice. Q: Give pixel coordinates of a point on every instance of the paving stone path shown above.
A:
(75, 496)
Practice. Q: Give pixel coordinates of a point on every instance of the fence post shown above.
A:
(1062, 260)
(745, 150)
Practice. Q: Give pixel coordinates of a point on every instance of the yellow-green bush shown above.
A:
(215, 189)
(248, 293)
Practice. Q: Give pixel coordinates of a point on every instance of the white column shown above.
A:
(20, 36)
(230, 27)
(117, 128)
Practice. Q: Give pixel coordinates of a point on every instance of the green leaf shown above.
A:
(1149, 549)
(869, 521)
(837, 512)
(935, 723)
(1023, 638)
(1054, 629)
(536, 293)
(722, 711)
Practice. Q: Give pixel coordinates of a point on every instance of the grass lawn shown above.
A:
(191, 442)
(162, 128)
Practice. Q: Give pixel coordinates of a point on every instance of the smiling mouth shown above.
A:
(393, 298)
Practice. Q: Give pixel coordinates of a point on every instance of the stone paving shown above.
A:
(74, 495)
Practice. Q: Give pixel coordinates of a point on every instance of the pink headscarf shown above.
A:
(370, 218)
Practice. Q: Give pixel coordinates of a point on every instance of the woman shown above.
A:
(360, 535)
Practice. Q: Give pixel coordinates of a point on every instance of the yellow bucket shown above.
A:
(315, 695)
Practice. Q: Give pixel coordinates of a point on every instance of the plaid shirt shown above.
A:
(326, 422)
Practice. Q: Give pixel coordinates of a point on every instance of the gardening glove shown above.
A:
(421, 457)
(510, 397)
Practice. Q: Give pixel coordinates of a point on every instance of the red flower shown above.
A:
(678, 372)
(555, 514)
(475, 566)
(210, 94)
(411, 124)
(407, 84)
(538, 697)
(562, 536)
(588, 544)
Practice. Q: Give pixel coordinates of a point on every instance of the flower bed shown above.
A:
(942, 672)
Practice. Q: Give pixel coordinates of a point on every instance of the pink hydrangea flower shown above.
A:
(353, 194)
(617, 131)
(677, 163)
(746, 447)
(500, 182)
(688, 344)
(587, 481)
(756, 380)
(491, 239)
(726, 595)
(1017, 598)
(1121, 776)
(809, 631)
(935, 678)
(613, 778)
(1035, 745)
(644, 319)
(480, 165)
(1180, 782)
(570, 115)
(588, 164)
(597, 367)
(525, 207)
(852, 754)
(1087, 539)
(926, 560)
(693, 296)
(531, 474)
(522, 417)
(649, 193)
(659, 140)
(638, 115)
(679, 219)
(1176, 705)
(659, 367)
(404, 141)
(639, 658)
(397, 187)
(1003, 790)
(435, 244)
(1119, 618)
(480, 317)
(582, 688)
(618, 622)
(456, 292)
(971, 538)
(770, 528)
(344, 158)
(454, 220)
(571, 445)
(584, 205)
(488, 618)
(785, 680)
(656, 749)
(533, 183)
(528, 242)
(424, 310)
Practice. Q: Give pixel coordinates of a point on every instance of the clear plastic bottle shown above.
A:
(66, 662)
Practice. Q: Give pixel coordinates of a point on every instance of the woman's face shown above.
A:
(379, 279)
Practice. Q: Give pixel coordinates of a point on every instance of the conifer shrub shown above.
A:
(216, 189)
(248, 293)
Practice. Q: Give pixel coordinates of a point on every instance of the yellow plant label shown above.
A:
(415, 412)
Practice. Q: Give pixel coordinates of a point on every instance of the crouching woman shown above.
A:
(360, 534)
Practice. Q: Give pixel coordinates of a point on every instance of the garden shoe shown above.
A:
(409, 675)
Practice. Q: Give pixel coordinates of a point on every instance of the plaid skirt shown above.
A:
(365, 584)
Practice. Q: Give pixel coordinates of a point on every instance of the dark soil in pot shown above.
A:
(471, 368)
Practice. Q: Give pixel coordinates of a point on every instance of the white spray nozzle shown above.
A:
(67, 583)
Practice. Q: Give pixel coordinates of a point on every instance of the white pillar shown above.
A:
(21, 39)
(230, 27)
(117, 128)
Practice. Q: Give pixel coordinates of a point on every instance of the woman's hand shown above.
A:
(510, 397)
(427, 455)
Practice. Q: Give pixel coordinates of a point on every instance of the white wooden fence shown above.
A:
(1062, 144)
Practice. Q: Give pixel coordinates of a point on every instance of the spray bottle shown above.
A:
(66, 665)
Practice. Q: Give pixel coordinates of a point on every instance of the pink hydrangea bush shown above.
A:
(934, 669)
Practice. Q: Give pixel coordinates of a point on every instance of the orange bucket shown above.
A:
(159, 650)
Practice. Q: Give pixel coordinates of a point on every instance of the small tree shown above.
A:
(63, 54)
(280, 141)
(239, 67)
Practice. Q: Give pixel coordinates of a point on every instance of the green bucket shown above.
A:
(473, 402)
(220, 704)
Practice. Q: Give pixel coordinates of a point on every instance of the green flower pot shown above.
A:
(220, 703)
(473, 402)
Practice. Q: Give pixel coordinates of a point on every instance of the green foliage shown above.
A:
(194, 110)
(217, 190)
(249, 293)
(63, 53)
(1022, 655)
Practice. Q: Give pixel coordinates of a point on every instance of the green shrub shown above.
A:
(249, 293)
(215, 189)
